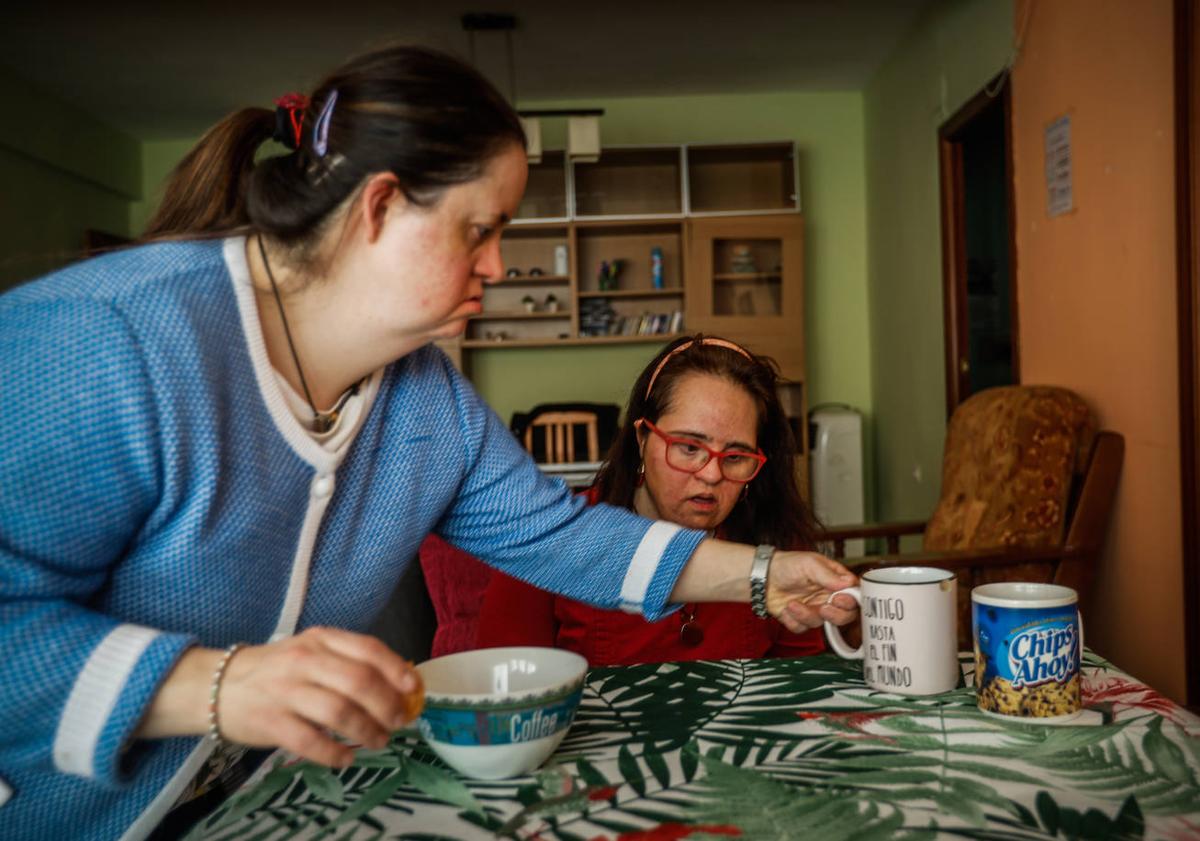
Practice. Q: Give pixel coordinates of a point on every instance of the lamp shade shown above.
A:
(583, 139)
(533, 138)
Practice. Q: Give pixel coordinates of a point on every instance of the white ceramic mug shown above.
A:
(909, 629)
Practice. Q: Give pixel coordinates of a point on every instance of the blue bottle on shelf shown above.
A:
(656, 267)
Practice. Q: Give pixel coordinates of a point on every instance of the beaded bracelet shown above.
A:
(214, 725)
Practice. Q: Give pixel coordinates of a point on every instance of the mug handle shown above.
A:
(836, 641)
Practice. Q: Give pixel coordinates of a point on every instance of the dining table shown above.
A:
(768, 749)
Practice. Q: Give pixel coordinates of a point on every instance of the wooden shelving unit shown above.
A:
(583, 341)
(484, 316)
(535, 280)
(744, 277)
(635, 293)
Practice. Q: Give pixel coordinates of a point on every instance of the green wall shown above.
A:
(63, 171)
(952, 52)
(158, 159)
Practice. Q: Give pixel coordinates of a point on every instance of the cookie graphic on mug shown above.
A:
(1028, 645)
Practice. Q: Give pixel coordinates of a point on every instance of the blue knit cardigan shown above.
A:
(157, 493)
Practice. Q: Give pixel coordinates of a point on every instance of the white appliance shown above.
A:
(835, 438)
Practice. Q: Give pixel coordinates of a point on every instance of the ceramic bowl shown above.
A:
(499, 712)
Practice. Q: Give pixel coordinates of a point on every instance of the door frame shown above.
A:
(1187, 207)
(954, 250)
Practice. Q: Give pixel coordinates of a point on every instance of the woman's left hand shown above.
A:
(799, 585)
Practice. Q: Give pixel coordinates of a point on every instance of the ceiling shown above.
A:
(167, 70)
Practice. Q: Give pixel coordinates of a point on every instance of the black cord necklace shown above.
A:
(322, 421)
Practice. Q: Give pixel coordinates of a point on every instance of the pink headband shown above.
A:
(714, 342)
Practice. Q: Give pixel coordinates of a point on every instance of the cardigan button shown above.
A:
(322, 486)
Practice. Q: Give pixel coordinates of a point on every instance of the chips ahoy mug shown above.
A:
(1028, 647)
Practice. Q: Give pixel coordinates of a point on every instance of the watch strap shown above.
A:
(758, 579)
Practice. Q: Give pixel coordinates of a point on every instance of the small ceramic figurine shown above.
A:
(743, 260)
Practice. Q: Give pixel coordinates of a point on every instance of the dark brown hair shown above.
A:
(772, 510)
(417, 113)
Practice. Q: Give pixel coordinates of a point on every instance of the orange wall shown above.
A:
(1096, 292)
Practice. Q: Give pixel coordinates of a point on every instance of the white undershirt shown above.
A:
(343, 429)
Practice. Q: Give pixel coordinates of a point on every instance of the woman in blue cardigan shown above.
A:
(227, 441)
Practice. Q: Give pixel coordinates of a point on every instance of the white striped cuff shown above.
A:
(94, 696)
(644, 564)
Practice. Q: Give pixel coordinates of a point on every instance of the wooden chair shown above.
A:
(1027, 493)
(560, 435)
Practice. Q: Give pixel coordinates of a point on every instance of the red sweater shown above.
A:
(515, 613)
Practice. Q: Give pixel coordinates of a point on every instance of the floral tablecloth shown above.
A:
(769, 749)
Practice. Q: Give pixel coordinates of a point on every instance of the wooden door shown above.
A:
(978, 247)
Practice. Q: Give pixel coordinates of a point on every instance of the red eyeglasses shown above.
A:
(690, 456)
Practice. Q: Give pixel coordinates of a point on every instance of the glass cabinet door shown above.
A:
(746, 273)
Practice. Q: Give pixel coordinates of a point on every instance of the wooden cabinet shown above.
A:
(676, 219)
(637, 183)
(745, 280)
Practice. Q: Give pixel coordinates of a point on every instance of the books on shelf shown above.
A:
(598, 318)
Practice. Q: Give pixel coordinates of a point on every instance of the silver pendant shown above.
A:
(691, 634)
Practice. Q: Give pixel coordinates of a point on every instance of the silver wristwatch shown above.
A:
(758, 580)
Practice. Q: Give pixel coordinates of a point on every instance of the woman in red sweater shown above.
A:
(706, 444)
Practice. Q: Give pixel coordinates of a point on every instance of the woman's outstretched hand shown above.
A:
(799, 585)
(294, 694)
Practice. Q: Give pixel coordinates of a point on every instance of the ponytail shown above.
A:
(205, 195)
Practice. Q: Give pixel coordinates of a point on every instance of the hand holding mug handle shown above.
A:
(832, 633)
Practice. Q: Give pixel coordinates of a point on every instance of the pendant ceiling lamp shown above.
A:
(583, 124)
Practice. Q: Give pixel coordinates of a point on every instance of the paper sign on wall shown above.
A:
(1058, 167)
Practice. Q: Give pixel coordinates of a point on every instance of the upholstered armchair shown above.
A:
(1027, 490)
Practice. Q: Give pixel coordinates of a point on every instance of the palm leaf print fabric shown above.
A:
(768, 749)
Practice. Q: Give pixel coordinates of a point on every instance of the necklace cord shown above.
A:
(287, 331)
(322, 421)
